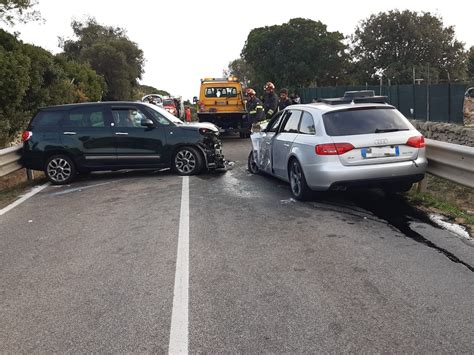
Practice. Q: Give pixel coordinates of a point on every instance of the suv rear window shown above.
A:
(47, 119)
(363, 121)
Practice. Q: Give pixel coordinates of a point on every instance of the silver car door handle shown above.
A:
(286, 145)
(69, 133)
(121, 133)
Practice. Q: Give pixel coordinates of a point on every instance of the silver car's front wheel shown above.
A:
(299, 188)
(187, 161)
(60, 169)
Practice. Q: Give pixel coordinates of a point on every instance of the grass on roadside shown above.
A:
(448, 198)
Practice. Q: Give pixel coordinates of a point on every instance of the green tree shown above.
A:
(110, 53)
(242, 70)
(14, 82)
(12, 11)
(88, 85)
(142, 90)
(393, 43)
(470, 63)
(298, 53)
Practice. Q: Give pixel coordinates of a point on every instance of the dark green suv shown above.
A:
(67, 140)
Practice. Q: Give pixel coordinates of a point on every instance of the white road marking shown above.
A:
(179, 317)
(22, 199)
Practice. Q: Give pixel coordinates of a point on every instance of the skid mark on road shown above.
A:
(78, 189)
(179, 318)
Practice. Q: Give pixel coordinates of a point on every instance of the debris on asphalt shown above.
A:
(456, 229)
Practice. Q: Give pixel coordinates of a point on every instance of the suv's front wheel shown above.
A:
(60, 169)
(187, 161)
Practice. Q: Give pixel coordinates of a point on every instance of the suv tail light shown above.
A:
(26, 135)
(333, 148)
(416, 142)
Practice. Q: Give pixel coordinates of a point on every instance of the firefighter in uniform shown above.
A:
(254, 107)
(270, 100)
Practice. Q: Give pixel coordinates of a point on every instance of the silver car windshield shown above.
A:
(166, 114)
(364, 121)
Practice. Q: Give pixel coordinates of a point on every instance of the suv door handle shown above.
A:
(121, 133)
(286, 145)
(69, 133)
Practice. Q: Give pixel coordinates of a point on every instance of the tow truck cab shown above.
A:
(222, 102)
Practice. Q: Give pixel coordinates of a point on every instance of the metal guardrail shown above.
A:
(10, 160)
(451, 161)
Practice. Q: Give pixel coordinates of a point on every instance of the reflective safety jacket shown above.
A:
(270, 104)
(254, 109)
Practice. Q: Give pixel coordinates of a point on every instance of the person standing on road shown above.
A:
(270, 100)
(284, 101)
(187, 113)
(254, 107)
(296, 99)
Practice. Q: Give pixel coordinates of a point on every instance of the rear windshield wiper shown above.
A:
(384, 130)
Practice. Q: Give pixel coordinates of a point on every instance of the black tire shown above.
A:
(298, 186)
(187, 161)
(252, 164)
(60, 169)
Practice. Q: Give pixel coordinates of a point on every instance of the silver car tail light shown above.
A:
(333, 148)
(416, 142)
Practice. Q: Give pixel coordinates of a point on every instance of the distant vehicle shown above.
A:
(357, 140)
(468, 109)
(156, 99)
(169, 104)
(67, 140)
(221, 101)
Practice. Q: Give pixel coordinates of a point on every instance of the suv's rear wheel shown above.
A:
(299, 187)
(60, 169)
(187, 161)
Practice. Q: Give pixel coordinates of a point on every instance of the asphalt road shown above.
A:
(91, 268)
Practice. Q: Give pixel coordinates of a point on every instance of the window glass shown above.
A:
(160, 118)
(85, 117)
(275, 122)
(128, 117)
(363, 121)
(307, 124)
(292, 121)
(221, 92)
(47, 119)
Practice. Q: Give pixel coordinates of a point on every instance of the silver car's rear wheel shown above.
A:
(60, 169)
(299, 188)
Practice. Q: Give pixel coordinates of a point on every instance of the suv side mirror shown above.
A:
(195, 99)
(146, 122)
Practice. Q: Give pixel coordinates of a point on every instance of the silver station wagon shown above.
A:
(357, 140)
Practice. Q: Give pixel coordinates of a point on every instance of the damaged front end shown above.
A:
(211, 146)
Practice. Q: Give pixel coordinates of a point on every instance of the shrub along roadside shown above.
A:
(32, 77)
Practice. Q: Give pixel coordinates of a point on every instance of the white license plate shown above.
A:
(378, 152)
